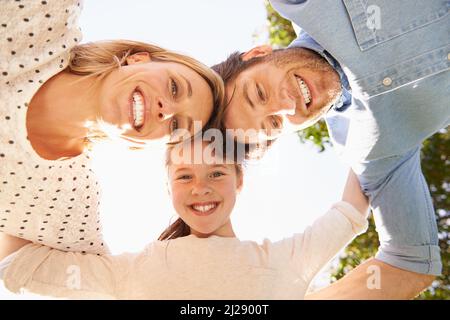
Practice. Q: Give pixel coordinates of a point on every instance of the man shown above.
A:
(379, 75)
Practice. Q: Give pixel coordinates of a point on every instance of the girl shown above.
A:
(197, 257)
(58, 95)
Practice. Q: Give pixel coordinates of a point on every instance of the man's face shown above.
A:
(288, 91)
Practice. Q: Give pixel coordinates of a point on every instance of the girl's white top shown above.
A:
(54, 203)
(190, 267)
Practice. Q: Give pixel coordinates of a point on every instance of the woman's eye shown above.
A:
(217, 174)
(173, 88)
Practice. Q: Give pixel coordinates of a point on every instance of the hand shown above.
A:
(375, 280)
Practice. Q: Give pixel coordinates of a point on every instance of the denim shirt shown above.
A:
(393, 58)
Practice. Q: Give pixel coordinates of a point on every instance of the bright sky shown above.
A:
(282, 194)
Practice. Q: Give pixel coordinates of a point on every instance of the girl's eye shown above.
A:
(173, 88)
(184, 177)
(217, 174)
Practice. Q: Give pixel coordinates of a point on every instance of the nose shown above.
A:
(283, 106)
(164, 110)
(283, 109)
(201, 188)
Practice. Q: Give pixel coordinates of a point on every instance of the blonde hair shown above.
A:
(98, 59)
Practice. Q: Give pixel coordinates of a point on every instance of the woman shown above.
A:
(199, 256)
(57, 96)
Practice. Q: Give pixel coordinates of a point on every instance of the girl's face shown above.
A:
(149, 99)
(204, 196)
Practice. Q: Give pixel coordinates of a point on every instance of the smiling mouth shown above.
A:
(304, 90)
(204, 208)
(137, 110)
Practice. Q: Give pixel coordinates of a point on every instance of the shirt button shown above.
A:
(387, 81)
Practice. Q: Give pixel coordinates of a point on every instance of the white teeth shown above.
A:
(204, 208)
(304, 89)
(138, 109)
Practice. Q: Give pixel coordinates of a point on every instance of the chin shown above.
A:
(308, 123)
(319, 114)
(205, 231)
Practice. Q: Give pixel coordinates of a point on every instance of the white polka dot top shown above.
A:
(54, 203)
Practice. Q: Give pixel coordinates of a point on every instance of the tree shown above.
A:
(435, 167)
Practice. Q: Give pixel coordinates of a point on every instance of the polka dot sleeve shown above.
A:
(54, 203)
(41, 28)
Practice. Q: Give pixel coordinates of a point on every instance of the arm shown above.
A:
(403, 212)
(62, 16)
(10, 244)
(52, 272)
(330, 233)
(354, 195)
(375, 280)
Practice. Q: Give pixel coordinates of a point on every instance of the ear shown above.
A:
(258, 51)
(139, 57)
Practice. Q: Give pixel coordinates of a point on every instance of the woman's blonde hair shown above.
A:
(98, 59)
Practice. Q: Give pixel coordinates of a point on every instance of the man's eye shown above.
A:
(275, 123)
(217, 174)
(260, 93)
(173, 88)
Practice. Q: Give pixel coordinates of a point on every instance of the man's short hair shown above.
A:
(233, 65)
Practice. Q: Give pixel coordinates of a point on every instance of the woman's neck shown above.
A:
(58, 115)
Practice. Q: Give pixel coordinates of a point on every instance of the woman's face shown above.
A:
(150, 99)
(204, 195)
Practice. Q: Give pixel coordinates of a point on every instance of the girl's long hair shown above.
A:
(177, 229)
